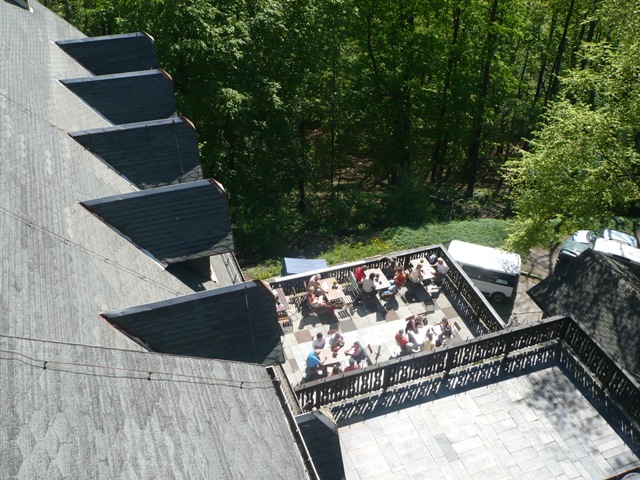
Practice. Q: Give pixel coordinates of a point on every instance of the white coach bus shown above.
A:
(495, 272)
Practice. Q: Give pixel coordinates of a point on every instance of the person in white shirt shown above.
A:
(442, 267)
(336, 341)
(318, 342)
(369, 284)
(417, 274)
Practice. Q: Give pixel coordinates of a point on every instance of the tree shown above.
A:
(584, 166)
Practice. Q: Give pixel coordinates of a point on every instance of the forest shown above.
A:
(336, 118)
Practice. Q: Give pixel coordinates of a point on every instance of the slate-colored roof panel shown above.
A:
(93, 413)
(321, 438)
(175, 223)
(602, 294)
(237, 322)
(150, 154)
(129, 52)
(127, 97)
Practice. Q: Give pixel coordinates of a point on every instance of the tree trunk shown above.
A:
(554, 81)
(543, 65)
(474, 147)
(440, 146)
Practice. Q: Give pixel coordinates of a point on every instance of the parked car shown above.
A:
(605, 242)
(589, 237)
(571, 249)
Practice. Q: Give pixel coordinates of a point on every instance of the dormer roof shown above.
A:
(173, 224)
(129, 52)
(127, 97)
(150, 154)
(237, 322)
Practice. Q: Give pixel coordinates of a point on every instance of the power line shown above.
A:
(145, 373)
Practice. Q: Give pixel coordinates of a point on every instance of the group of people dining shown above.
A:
(315, 368)
(406, 337)
(316, 294)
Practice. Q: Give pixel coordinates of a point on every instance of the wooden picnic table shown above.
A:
(333, 289)
(329, 360)
(427, 269)
(282, 304)
(382, 283)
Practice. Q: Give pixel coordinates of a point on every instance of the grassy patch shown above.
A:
(489, 232)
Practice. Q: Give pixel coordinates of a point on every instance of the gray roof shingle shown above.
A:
(602, 294)
(127, 97)
(174, 223)
(150, 154)
(129, 52)
(94, 413)
(237, 322)
(60, 267)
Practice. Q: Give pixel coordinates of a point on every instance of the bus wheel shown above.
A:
(499, 297)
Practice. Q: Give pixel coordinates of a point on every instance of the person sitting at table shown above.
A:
(417, 274)
(359, 275)
(369, 286)
(433, 259)
(352, 365)
(389, 269)
(314, 365)
(335, 370)
(429, 342)
(412, 324)
(403, 341)
(398, 282)
(318, 342)
(317, 303)
(336, 341)
(446, 327)
(356, 352)
(314, 282)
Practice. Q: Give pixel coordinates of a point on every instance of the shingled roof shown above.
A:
(602, 294)
(128, 52)
(150, 154)
(73, 411)
(88, 414)
(237, 322)
(175, 223)
(127, 97)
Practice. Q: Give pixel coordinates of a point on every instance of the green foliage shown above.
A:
(341, 117)
(583, 168)
(488, 232)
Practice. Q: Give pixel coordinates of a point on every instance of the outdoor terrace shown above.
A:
(533, 401)
(375, 323)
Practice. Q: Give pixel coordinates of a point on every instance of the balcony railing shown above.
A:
(568, 336)
(471, 305)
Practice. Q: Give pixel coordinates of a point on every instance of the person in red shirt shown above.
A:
(352, 365)
(359, 274)
(399, 280)
(403, 341)
(317, 303)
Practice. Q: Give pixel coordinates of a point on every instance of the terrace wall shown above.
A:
(573, 347)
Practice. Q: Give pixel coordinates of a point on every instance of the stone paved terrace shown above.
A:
(369, 323)
(537, 425)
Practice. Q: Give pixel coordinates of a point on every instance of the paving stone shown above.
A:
(531, 464)
(460, 470)
(392, 459)
(447, 448)
(476, 460)
(468, 444)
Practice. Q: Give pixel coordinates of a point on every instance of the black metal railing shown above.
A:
(568, 336)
